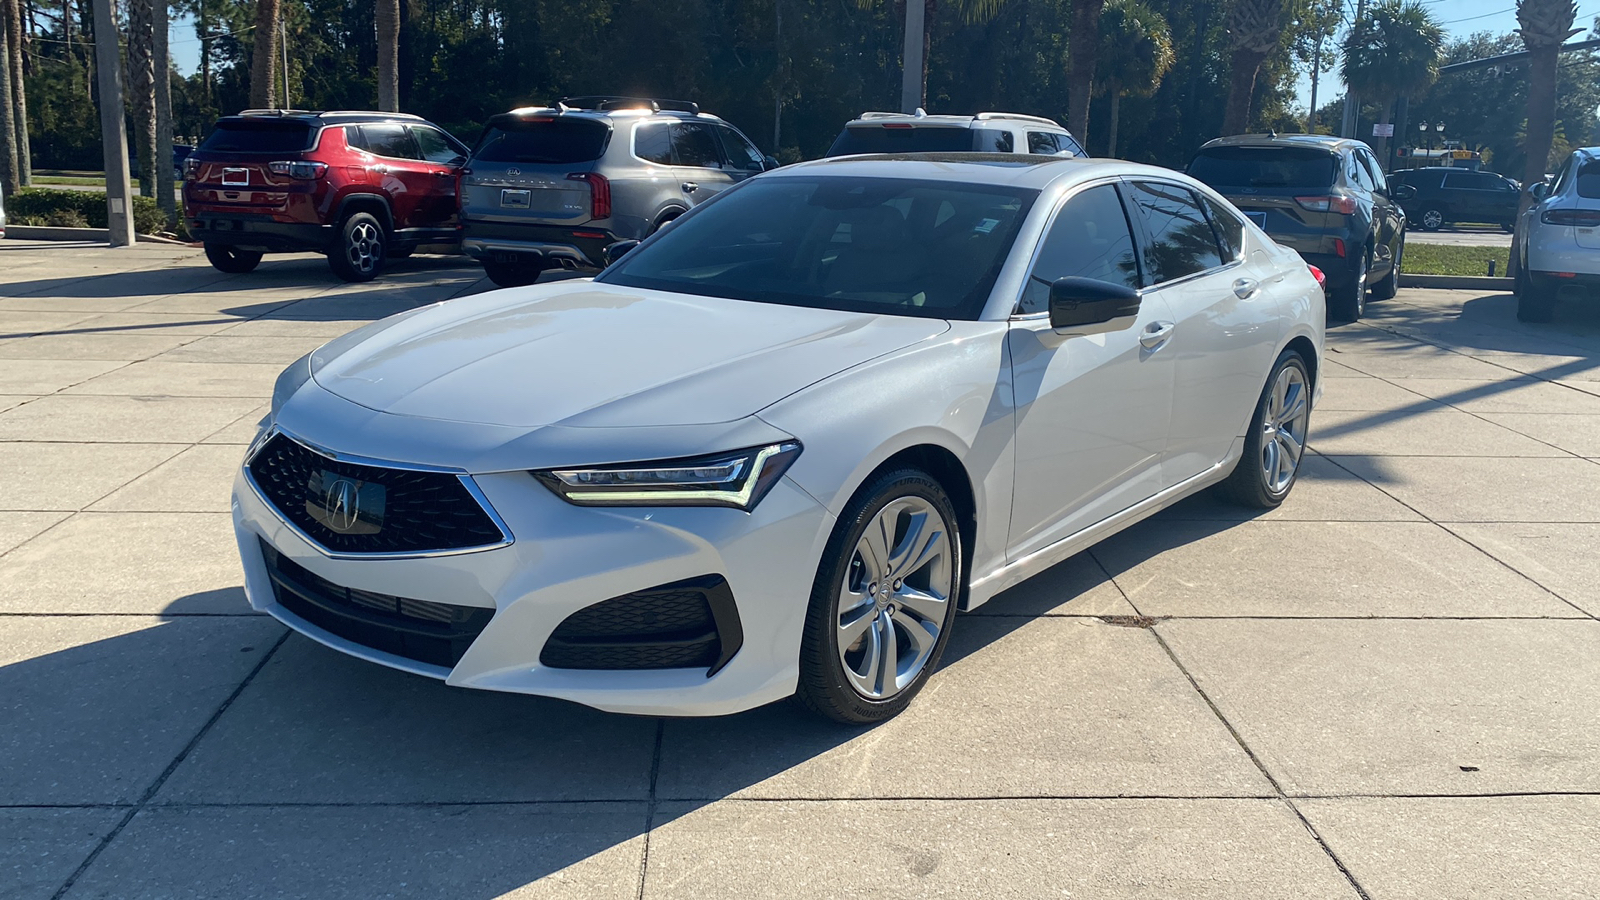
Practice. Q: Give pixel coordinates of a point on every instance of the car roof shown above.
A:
(608, 107)
(1323, 141)
(1009, 169)
(325, 117)
(948, 121)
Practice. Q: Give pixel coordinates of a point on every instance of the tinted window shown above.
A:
(1373, 169)
(1072, 146)
(1589, 181)
(694, 145)
(881, 245)
(1180, 240)
(992, 141)
(1228, 225)
(259, 136)
(393, 141)
(1089, 239)
(738, 152)
(542, 140)
(878, 139)
(1043, 142)
(653, 143)
(1473, 181)
(1223, 167)
(1358, 174)
(435, 146)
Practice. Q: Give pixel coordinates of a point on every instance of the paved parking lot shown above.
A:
(1387, 688)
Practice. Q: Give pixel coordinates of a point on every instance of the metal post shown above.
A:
(283, 45)
(163, 162)
(114, 143)
(911, 76)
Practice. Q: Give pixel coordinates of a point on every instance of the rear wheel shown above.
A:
(1276, 442)
(1432, 219)
(359, 253)
(1534, 302)
(231, 259)
(1347, 302)
(1390, 285)
(511, 276)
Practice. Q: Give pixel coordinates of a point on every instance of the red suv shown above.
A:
(360, 187)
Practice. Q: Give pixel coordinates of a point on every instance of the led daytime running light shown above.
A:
(739, 479)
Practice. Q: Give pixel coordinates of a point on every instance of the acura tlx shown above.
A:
(772, 450)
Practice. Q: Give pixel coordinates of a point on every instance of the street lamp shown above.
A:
(1423, 135)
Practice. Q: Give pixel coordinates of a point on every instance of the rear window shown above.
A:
(878, 139)
(1264, 167)
(259, 136)
(554, 140)
(1589, 181)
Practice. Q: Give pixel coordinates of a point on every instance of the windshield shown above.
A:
(259, 136)
(1299, 167)
(919, 139)
(880, 245)
(542, 140)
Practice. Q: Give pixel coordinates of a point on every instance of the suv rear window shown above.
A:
(1264, 167)
(542, 140)
(259, 136)
(878, 139)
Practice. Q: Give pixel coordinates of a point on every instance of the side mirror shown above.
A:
(768, 163)
(1080, 302)
(1540, 190)
(1403, 192)
(618, 250)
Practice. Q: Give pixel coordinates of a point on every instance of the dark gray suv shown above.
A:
(552, 187)
(1325, 197)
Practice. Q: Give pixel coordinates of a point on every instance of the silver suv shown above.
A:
(552, 187)
(986, 132)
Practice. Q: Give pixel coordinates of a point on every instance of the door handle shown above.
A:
(690, 187)
(1245, 288)
(1155, 334)
(443, 173)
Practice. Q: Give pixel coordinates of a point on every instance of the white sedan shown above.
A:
(772, 450)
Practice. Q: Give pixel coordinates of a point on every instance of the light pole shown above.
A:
(1422, 135)
(114, 137)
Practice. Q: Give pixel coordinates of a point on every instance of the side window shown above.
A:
(1071, 146)
(1043, 143)
(434, 145)
(1229, 228)
(1088, 239)
(1180, 239)
(694, 145)
(352, 136)
(653, 143)
(738, 151)
(992, 140)
(1359, 174)
(1375, 171)
(393, 141)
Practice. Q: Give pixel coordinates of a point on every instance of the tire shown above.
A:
(1534, 303)
(358, 253)
(1270, 464)
(1432, 219)
(1347, 302)
(231, 259)
(1390, 285)
(1508, 227)
(512, 276)
(855, 685)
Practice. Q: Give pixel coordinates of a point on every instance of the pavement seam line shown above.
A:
(156, 785)
(650, 810)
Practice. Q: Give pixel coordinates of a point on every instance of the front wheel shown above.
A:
(359, 253)
(231, 259)
(1276, 442)
(1432, 219)
(1390, 285)
(883, 600)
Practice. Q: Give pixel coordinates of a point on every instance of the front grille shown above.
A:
(352, 508)
(420, 630)
(684, 625)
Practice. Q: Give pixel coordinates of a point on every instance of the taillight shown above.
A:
(1334, 203)
(1581, 218)
(303, 171)
(599, 193)
(1322, 280)
(191, 169)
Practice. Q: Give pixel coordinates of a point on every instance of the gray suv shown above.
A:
(986, 132)
(552, 187)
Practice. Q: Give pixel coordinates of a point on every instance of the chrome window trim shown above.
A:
(466, 481)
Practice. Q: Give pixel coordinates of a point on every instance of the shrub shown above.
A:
(89, 207)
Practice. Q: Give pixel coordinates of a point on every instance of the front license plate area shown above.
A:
(510, 199)
(239, 177)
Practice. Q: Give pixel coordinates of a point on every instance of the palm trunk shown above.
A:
(1082, 45)
(1116, 109)
(142, 90)
(1241, 89)
(1385, 117)
(165, 187)
(19, 93)
(202, 28)
(264, 55)
(9, 176)
(1541, 111)
(388, 19)
(1316, 70)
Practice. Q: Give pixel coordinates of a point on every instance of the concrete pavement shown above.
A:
(1387, 688)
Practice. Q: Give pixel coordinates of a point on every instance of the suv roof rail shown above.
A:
(279, 112)
(606, 102)
(1018, 116)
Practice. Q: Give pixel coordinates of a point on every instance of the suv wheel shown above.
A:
(358, 255)
(1347, 302)
(231, 259)
(1432, 219)
(1535, 303)
(511, 276)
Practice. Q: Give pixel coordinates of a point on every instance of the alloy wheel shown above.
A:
(1433, 220)
(1283, 429)
(894, 600)
(364, 247)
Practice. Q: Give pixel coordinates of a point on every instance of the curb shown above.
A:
(50, 233)
(1455, 282)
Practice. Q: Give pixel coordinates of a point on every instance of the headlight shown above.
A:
(738, 479)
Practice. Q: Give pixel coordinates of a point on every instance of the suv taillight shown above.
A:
(1582, 218)
(191, 169)
(304, 171)
(1334, 203)
(599, 193)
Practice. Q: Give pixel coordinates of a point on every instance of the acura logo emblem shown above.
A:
(344, 509)
(345, 505)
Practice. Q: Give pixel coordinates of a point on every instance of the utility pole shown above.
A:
(108, 67)
(163, 73)
(911, 76)
(1352, 101)
(1316, 69)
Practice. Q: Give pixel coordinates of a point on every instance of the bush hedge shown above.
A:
(39, 206)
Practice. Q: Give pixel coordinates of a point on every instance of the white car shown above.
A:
(1559, 251)
(774, 448)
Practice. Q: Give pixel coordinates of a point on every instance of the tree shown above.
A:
(139, 62)
(1319, 21)
(388, 21)
(264, 57)
(1254, 27)
(1396, 54)
(19, 92)
(1135, 53)
(971, 10)
(10, 175)
(1083, 43)
(1545, 26)
(161, 59)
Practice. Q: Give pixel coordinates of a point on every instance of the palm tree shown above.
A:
(1396, 54)
(1546, 25)
(1083, 44)
(1135, 53)
(141, 84)
(388, 16)
(920, 34)
(264, 55)
(10, 179)
(1254, 27)
(19, 93)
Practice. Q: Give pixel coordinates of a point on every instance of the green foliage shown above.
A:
(1397, 52)
(50, 207)
(1135, 49)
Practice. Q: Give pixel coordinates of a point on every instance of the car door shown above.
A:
(1223, 334)
(741, 159)
(1388, 219)
(697, 159)
(444, 157)
(1092, 409)
(402, 174)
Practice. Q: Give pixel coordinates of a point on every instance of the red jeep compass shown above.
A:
(360, 187)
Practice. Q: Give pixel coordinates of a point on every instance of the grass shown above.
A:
(59, 180)
(1444, 259)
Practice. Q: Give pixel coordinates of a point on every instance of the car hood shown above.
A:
(584, 354)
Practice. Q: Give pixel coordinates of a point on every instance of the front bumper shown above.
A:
(563, 558)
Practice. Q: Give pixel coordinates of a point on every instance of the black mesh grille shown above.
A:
(674, 626)
(398, 510)
(421, 630)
